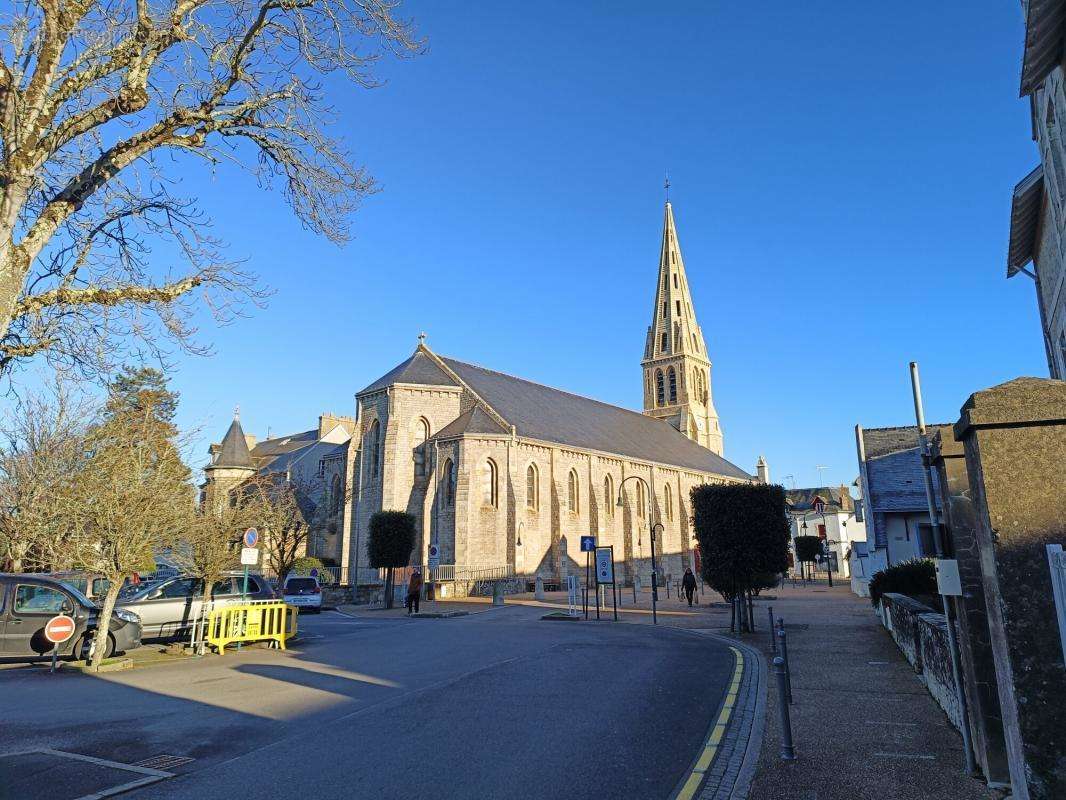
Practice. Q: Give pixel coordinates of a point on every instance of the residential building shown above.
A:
(893, 488)
(1038, 207)
(839, 525)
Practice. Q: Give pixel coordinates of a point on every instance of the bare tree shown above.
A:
(285, 512)
(105, 103)
(131, 495)
(42, 446)
(209, 544)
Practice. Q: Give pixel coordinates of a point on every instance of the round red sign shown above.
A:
(59, 629)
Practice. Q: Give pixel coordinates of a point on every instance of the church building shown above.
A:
(504, 473)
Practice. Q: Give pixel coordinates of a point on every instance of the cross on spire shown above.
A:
(666, 186)
(422, 338)
(236, 412)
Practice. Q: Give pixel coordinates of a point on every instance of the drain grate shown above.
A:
(163, 761)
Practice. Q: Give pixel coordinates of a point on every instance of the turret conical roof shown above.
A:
(233, 452)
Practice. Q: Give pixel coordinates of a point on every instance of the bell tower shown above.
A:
(677, 369)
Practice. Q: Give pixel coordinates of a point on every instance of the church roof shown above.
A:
(419, 368)
(233, 451)
(552, 415)
(476, 420)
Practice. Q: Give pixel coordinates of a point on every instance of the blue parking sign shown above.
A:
(588, 544)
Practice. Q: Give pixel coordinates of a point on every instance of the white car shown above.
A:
(302, 591)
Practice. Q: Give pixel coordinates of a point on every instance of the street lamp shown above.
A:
(653, 526)
(828, 552)
(804, 527)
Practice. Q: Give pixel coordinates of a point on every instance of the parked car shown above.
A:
(28, 601)
(172, 606)
(302, 591)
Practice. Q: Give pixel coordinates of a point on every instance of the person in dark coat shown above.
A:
(414, 591)
(688, 583)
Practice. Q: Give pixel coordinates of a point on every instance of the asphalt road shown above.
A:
(497, 704)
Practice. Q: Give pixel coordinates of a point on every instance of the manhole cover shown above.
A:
(46, 774)
(164, 761)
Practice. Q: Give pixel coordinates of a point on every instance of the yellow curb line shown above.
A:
(710, 747)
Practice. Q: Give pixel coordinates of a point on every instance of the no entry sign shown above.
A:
(59, 629)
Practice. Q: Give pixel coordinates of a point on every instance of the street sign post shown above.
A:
(434, 557)
(588, 544)
(605, 577)
(57, 630)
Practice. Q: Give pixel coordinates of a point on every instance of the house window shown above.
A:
(608, 496)
(420, 435)
(532, 488)
(490, 484)
(673, 385)
(1055, 152)
(821, 531)
(678, 304)
(668, 501)
(660, 390)
(572, 492)
(1062, 355)
(664, 342)
(675, 280)
(447, 494)
(664, 309)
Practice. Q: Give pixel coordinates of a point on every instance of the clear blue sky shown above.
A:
(841, 180)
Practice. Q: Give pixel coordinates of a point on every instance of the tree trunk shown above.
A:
(388, 588)
(751, 612)
(104, 623)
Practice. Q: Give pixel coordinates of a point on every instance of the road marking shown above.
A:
(906, 755)
(149, 775)
(881, 722)
(710, 747)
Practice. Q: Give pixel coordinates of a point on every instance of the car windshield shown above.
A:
(300, 584)
(81, 598)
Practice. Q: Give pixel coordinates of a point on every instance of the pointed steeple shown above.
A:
(677, 369)
(233, 452)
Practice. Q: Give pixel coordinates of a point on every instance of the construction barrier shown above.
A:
(269, 620)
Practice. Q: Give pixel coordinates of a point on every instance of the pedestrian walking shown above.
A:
(414, 591)
(688, 583)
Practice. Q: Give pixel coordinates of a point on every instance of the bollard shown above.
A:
(784, 657)
(788, 750)
(538, 588)
(773, 633)
(497, 594)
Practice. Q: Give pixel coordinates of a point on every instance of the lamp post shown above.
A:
(828, 552)
(517, 544)
(804, 528)
(652, 527)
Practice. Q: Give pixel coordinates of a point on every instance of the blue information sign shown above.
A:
(588, 544)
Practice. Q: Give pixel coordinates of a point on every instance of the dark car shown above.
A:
(28, 601)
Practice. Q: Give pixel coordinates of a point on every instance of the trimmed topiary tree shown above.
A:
(391, 538)
(743, 534)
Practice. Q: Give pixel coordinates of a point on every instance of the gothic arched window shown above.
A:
(490, 485)
(668, 501)
(336, 496)
(447, 489)
(608, 496)
(573, 490)
(373, 446)
(660, 392)
(532, 488)
(672, 380)
(642, 500)
(419, 435)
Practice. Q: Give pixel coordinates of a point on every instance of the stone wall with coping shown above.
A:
(921, 635)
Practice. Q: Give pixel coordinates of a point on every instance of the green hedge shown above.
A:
(914, 578)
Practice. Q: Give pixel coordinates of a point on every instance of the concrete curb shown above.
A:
(733, 769)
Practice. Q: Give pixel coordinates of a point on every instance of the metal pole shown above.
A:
(788, 751)
(784, 656)
(934, 521)
(55, 654)
(654, 583)
(773, 635)
(828, 552)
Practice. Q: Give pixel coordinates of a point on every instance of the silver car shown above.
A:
(171, 607)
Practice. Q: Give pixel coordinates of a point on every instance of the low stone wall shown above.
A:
(922, 636)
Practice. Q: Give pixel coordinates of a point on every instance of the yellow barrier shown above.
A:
(250, 622)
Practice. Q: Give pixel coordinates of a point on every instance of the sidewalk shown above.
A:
(864, 726)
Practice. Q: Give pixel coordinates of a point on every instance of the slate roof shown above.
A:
(552, 415)
(278, 453)
(894, 468)
(476, 420)
(836, 498)
(419, 368)
(233, 451)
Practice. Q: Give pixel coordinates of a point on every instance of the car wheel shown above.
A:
(83, 647)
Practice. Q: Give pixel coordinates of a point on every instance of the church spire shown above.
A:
(677, 369)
